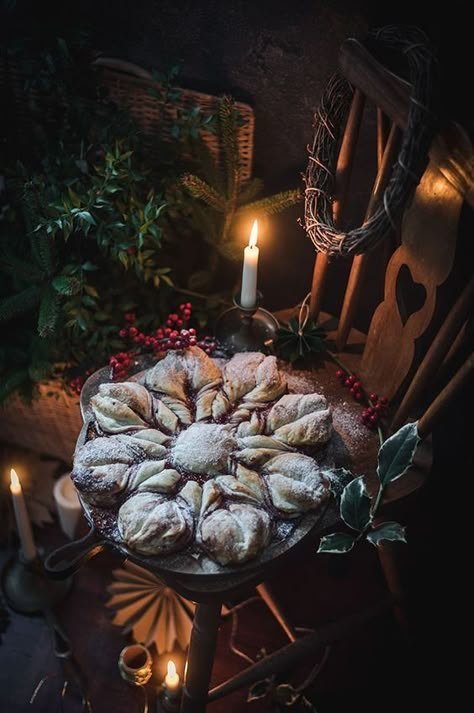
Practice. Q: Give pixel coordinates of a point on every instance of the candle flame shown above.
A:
(253, 235)
(171, 669)
(14, 479)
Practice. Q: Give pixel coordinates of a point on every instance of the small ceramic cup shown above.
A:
(135, 664)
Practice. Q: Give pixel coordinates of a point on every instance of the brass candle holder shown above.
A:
(170, 692)
(28, 589)
(246, 330)
(135, 664)
(168, 702)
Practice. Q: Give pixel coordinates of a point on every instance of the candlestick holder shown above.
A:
(246, 330)
(28, 589)
(168, 702)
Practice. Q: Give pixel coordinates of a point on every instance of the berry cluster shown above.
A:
(177, 320)
(120, 364)
(372, 414)
(77, 382)
(175, 335)
(376, 406)
(353, 384)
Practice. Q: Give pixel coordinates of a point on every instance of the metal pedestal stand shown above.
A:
(28, 589)
(246, 330)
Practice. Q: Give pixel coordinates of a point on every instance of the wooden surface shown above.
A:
(443, 346)
(429, 235)
(306, 589)
(361, 263)
(380, 86)
(341, 184)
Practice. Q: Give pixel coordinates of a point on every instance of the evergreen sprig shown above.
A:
(221, 198)
(81, 240)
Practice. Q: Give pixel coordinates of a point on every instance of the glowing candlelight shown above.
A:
(21, 516)
(172, 681)
(248, 295)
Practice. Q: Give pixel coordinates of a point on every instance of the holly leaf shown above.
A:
(355, 505)
(337, 542)
(389, 530)
(396, 454)
(338, 479)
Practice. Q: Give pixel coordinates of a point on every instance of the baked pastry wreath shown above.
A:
(193, 452)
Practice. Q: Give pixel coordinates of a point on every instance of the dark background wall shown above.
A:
(277, 55)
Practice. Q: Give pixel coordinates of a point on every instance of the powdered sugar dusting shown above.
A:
(346, 420)
(209, 447)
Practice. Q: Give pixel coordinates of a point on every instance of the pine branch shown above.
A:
(208, 223)
(19, 303)
(208, 167)
(230, 144)
(30, 207)
(66, 285)
(274, 204)
(48, 312)
(41, 245)
(250, 190)
(202, 190)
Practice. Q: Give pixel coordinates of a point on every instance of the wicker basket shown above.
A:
(51, 424)
(129, 86)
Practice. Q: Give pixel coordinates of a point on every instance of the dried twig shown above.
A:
(407, 171)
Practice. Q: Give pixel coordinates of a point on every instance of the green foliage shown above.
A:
(221, 198)
(388, 530)
(356, 508)
(396, 454)
(93, 229)
(355, 505)
(82, 239)
(296, 341)
(337, 542)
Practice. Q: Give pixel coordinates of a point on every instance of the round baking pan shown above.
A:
(189, 563)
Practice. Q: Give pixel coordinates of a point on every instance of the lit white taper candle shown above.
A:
(22, 520)
(172, 680)
(248, 295)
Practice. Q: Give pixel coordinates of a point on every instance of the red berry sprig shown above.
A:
(375, 411)
(376, 407)
(174, 336)
(177, 320)
(77, 382)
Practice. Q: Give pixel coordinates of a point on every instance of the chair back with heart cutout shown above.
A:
(412, 333)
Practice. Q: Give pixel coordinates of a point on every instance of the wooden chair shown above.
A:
(410, 348)
(387, 358)
(395, 358)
